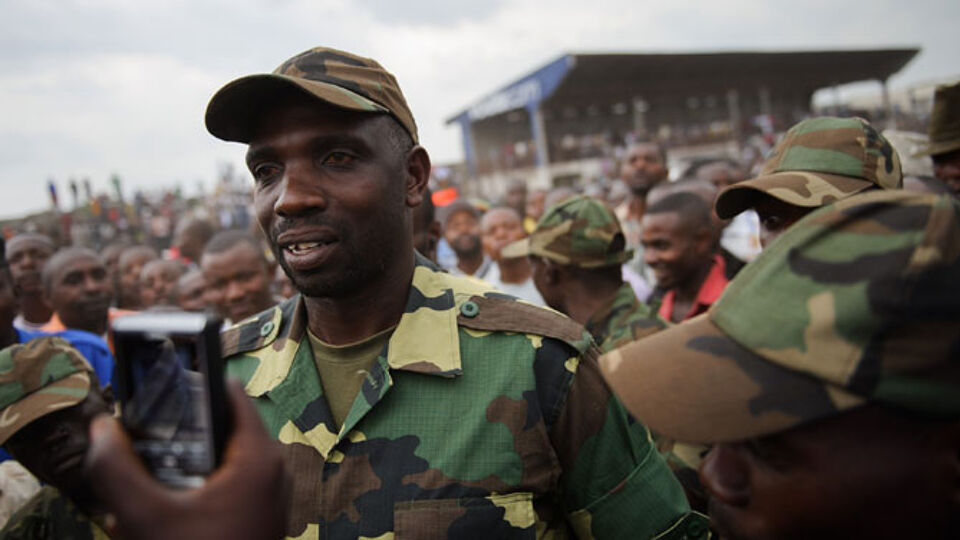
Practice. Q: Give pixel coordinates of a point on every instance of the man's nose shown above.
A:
(301, 191)
(726, 476)
(234, 291)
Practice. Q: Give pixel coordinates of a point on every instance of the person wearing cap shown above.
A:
(818, 161)
(577, 250)
(827, 378)
(461, 229)
(944, 135)
(410, 402)
(50, 396)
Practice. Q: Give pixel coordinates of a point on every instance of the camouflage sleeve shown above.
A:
(616, 484)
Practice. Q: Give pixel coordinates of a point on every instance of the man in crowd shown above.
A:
(158, 283)
(644, 165)
(26, 254)
(189, 291)
(516, 197)
(50, 396)
(189, 238)
(576, 251)
(680, 247)
(132, 261)
(535, 207)
(826, 378)
(237, 272)
(819, 161)
(512, 275)
(76, 288)
(461, 229)
(944, 134)
(473, 413)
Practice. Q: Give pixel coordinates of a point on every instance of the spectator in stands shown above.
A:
(426, 228)
(535, 209)
(944, 134)
(26, 254)
(189, 291)
(516, 197)
(512, 275)
(50, 397)
(819, 161)
(678, 242)
(111, 260)
(644, 165)
(158, 282)
(189, 238)
(234, 265)
(132, 261)
(461, 229)
(76, 287)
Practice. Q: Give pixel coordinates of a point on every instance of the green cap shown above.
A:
(856, 303)
(37, 378)
(335, 77)
(819, 161)
(944, 130)
(577, 232)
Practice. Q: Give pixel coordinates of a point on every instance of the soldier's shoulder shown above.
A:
(259, 330)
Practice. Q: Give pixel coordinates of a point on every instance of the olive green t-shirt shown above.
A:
(342, 369)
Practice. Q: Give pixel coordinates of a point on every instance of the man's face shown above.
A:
(53, 446)
(535, 203)
(777, 216)
(499, 228)
(674, 250)
(80, 294)
(130, 275)
(643, 167)
(242, 281)
(861, 474)
(516, 198)
(946, 167)
(330, 195)
(158, 280)
(463, 234)
(190, 289)
(27, 256)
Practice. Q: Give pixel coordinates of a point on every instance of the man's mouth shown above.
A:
(304, 247)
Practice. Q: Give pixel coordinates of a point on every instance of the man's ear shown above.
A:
(418, 173)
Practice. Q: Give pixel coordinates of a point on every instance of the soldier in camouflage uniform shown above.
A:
(577, 250)
(827, 377)
(48, 396)
(817, 162)
(464, 413)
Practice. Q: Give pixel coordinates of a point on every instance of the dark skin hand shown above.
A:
(246, 498)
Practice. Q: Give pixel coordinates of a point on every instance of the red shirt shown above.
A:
(709, 292)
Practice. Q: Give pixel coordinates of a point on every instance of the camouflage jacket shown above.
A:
(49, 514)
(483, 417)
(622, 320)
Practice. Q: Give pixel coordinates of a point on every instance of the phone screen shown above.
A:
(167, 411)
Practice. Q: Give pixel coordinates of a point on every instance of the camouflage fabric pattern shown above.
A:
(37, 378)
(577, 232)
(819, 161)
(622, 320)
(856, 303)
(483, 417)
(944, 129)
(339, 78)
(49, 514)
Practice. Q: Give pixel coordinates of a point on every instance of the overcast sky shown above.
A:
(92, 87)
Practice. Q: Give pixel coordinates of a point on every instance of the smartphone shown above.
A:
(171, 390)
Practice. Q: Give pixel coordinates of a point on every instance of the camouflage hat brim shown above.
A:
(799, 188)
(693, 383)
(55, 396)
(235, 109)
(520, 248)
(938, 147)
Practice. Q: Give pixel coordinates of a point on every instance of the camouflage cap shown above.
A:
(339, 78)
(819, 161)
(37, 378)
(944, 130)
(577, 232)
(856, 303)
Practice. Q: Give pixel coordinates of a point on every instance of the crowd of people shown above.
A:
(770, 353)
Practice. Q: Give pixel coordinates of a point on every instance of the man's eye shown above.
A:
(264, 171)
(338, 158)
(772, 223)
